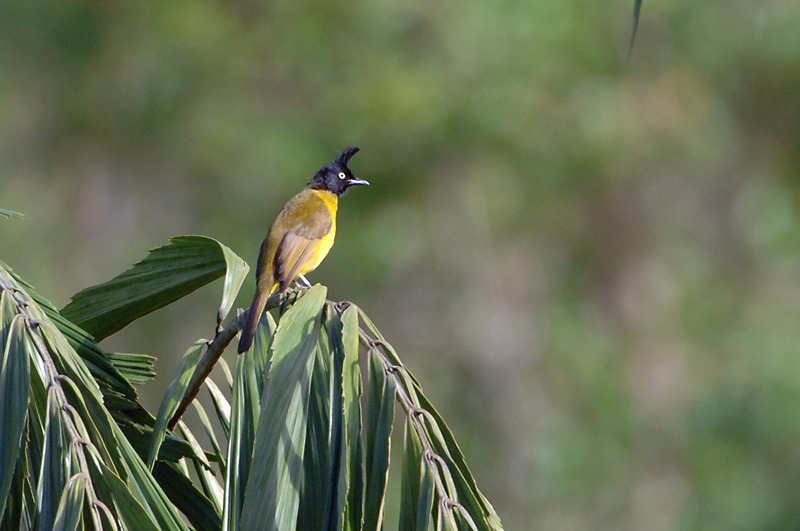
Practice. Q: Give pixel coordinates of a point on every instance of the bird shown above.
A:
(300, 237)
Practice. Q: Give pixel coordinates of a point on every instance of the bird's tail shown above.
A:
(253, 317)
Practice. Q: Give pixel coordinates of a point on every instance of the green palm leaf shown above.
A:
(167, 274)
(272, 494)
(288, 436)
(71, 505)
(173, 397)
(380, 413)
(352, 393)
(14, 377)
(70, 432)
(248, 384)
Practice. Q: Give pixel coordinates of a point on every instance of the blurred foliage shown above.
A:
(604, 252)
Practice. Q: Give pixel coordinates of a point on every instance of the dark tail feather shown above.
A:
(253, 317)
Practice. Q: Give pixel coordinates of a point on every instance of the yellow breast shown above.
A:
(322, 249)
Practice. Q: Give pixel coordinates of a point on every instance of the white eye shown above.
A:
(342, 175)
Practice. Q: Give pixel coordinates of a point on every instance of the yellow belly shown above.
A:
(324, 246)
(320, 251)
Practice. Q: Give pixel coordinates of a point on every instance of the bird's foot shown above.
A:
(302, 282)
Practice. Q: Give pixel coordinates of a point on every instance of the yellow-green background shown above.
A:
(592, 264)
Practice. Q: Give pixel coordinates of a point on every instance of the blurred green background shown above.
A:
(592, 264)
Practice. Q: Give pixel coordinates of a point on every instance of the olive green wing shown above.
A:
(304, 221)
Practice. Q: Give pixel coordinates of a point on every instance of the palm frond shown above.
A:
(167, 274)
(85, 467)
(299, 438)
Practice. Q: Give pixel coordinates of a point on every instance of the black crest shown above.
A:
(345, 157)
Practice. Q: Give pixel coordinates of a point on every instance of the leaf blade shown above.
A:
(172, 398)
(69, 508)
(352, 393)
(411, 478)
(244, 419)
(14, 387)
(164, 276)
(380, 413)
(316, 456)
(235, 272)
(272, 492)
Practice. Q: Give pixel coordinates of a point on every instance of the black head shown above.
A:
(336, 177)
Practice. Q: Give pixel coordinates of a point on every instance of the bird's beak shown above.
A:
(358, 181)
